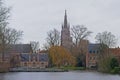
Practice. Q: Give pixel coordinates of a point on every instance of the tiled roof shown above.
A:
(43, 57)
(34, 55)
(24, 57)
(93, 47)
(20, 48)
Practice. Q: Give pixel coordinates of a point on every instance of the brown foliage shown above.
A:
(61, 57)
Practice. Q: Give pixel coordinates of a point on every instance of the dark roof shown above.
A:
(43, 51)
(93, 47)
(33, 55)
(43, 57)
(20, 48)
(24, 57)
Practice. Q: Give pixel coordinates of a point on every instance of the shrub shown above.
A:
(116, 70)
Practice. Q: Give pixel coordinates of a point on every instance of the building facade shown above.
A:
(21, 55)
(92, 56)
(66, 39)
(116, 53)
(34, 60)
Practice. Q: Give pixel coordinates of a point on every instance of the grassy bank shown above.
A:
(73, 68)
(115, 70)
(3, 70)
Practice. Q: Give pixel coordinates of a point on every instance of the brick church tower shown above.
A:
(66, 39)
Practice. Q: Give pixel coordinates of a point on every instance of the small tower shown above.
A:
(66, 39)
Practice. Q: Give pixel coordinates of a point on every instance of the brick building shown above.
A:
(34, 60)
(92, 56)
(116, 53)
(21, 55)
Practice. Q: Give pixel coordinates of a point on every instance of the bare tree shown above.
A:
(53, 37)
(79, 33)
(106, 41)
(46, 46)
(34, 45)
(106, 38)
(7, 35)
(4, 13)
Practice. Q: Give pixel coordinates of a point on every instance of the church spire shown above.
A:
(65, 19)
(66, 40)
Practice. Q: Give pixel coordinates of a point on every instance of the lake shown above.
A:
(72, 75)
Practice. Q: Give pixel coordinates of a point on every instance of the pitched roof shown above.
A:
(93, 46)
(43, 57)
(20, 48)
(26, 56)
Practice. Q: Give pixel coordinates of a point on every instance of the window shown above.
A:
(90, 51)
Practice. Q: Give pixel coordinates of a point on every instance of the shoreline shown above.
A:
(36, 70)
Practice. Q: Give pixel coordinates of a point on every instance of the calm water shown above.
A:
(73, 75)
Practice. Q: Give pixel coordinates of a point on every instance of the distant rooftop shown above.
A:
(94, 46)
(20, 48)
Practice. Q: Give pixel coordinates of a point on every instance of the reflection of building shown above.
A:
(66, 39)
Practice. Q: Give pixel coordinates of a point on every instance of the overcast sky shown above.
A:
(37, 17)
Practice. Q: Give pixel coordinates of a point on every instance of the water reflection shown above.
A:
(73, 75)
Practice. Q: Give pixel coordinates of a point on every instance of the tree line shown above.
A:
(8, 35)
(58, 55)
(105, 39)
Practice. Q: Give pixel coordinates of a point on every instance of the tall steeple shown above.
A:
(65, 20)
(66, 40)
